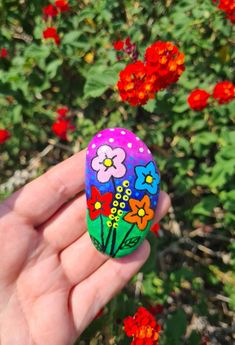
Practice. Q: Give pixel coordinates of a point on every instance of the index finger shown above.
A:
(40, 199)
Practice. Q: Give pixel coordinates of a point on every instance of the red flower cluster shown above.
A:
(126, 47)
(62, 125)
(50, 11)
(140, 81)
(4, 135)
(3, 53)
(51, 33)
(155, 229)
(62, 5)
(224, 92)
(135, 85)
(99, 314)
(53, 10)
(142, 327)
(99, 204)
(156, 309)
(228, 6)
(198, 99)
(165, 61)
(62, 112)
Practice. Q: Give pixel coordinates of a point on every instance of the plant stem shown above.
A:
(113, 242)
(107, 239)
(114, 185)
(124, 239)
(102, 231)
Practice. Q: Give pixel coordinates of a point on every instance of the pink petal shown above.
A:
(121, 155)
(96, 165)
(119, 171)
(105, 150)
(104, 176)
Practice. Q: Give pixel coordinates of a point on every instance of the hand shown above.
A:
(53, 281)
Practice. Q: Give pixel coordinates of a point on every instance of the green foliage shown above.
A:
(195, 151)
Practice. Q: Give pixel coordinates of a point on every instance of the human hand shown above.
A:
(53, 281)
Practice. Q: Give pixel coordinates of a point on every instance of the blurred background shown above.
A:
(56, 93)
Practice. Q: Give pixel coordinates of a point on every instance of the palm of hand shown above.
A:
(52, 280)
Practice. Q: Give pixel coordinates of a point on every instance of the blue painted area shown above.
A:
(135, 180)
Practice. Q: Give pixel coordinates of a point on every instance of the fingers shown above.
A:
(93, 293)
(66, 225)
(81, 259)
(164, 203)
(62, 230)
(41, 198)
(69, 223)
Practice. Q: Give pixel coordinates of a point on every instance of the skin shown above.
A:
(53, 281)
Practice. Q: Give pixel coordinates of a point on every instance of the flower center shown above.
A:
(108, 162)
(149, 179)
(98, 205)
(141, 212)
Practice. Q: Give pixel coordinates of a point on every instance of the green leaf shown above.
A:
(194, 338)
(52, 68)
(99, 81)
(131, 242)
(206, 206)
(150, 106)
(71, 37)
(17, 114)
(176, 327)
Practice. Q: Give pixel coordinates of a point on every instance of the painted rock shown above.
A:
(122, 189)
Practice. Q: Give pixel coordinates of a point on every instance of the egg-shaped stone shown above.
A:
(122, 189)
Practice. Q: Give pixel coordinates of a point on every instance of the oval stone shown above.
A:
(122, 189)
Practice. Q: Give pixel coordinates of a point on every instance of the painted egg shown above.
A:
(122, 189)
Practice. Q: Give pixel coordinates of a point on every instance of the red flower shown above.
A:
(142, 327)
(228, 6)
(197, 99)
(118, 45)
(126, 46)
(3, 53)
(156, 309)
(62, 5)
(51, 33)
(99, 204)
(4, 135)
(50, 11)
(165, 62)
(99, 314)
(135, 86)
(61, 127)
(155, 228)
(140, 81)
(62, 112)
(224, 92)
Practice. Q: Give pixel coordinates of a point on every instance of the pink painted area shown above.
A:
(119, 137)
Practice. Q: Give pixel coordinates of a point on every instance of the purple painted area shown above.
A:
(130, 158)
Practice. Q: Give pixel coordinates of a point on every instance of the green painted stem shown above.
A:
(124, 239)
(114, 185)
(113, 242)
(107, 239)
(102, 231)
